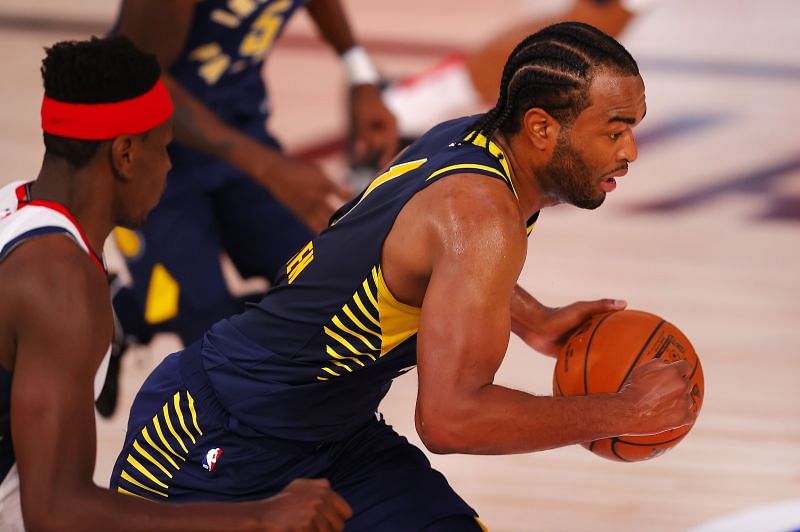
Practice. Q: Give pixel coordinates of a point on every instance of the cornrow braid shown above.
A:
(553, 69)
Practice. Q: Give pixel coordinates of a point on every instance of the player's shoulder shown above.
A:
(51, 270)
(474, 196)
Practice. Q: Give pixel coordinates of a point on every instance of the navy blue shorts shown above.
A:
(182, 446)
(208, 208)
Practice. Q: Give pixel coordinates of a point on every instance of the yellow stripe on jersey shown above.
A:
(172, 429)
(342, 341)
(363, 309)
(393, 172)
(177, 400)
(368, 291)
(125, 476)
(471, 166)
(341, 365)
(399, 321)
(126, 492)
(329, 370)
(150, 458)
(194, 412)
(336, 321)
(357, 322)
(334, 354)
(152, 444)
(143, 470)
(164, 440)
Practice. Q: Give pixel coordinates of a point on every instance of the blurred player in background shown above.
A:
(106, 118)
(231, 189)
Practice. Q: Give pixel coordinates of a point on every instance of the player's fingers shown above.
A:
(683, 367)
(600, 306)
(340, 505)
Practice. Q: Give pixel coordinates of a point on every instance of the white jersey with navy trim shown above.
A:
(22, 220)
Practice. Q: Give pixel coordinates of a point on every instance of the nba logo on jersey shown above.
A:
(4, 213)
(210, 460)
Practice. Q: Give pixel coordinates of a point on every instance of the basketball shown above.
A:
(600, 355)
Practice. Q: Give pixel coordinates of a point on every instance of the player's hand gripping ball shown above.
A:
(599, 357)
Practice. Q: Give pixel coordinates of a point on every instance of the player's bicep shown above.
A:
(157, 26)
(63, 326)
(465, 318)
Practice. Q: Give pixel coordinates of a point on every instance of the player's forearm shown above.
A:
(95, 508)
(330, 18)
(500, 420)
(198, 127)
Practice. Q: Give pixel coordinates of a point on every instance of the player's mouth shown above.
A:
(608, 184)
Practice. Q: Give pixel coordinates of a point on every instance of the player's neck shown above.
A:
(79, 191)
(532, 197)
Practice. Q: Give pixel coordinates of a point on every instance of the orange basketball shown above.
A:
(600, 355)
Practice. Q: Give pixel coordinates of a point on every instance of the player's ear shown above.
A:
(122, 156)
(541, 128)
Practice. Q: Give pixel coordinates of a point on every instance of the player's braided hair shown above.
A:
(553, 69)
(94, 71)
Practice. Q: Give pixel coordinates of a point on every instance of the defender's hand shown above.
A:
(374, 126)
(660, 396)
(549, 329)
(306, 505)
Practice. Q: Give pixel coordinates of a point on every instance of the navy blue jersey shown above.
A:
(314, 358)
(221, 61)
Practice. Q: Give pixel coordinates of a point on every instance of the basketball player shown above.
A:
(472, 79)
(107, 122)
(231, 188)
(419, 269)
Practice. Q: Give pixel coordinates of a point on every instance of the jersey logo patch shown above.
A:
(211, 458)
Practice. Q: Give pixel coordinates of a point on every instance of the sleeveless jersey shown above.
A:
(313, 359)
(222, 58)
(22, 219)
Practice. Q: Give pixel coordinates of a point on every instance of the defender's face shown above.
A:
(149, 174)
(600, 143)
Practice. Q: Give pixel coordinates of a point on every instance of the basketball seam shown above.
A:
(641, 352)
(614, 442)
(620, 440)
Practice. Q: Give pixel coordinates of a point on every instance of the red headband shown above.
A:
(104, 121)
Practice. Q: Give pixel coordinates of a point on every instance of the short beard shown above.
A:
(568, 178)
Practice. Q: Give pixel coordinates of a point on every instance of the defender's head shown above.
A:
(574, 94)
(104, 105)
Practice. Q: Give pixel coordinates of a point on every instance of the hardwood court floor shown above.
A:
(705, 230)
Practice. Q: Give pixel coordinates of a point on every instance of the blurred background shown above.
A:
(704, 231)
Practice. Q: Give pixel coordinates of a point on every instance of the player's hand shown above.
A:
(306, 505)
(549, 329)
(374, 126)
(306, 191)
(660, 396)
